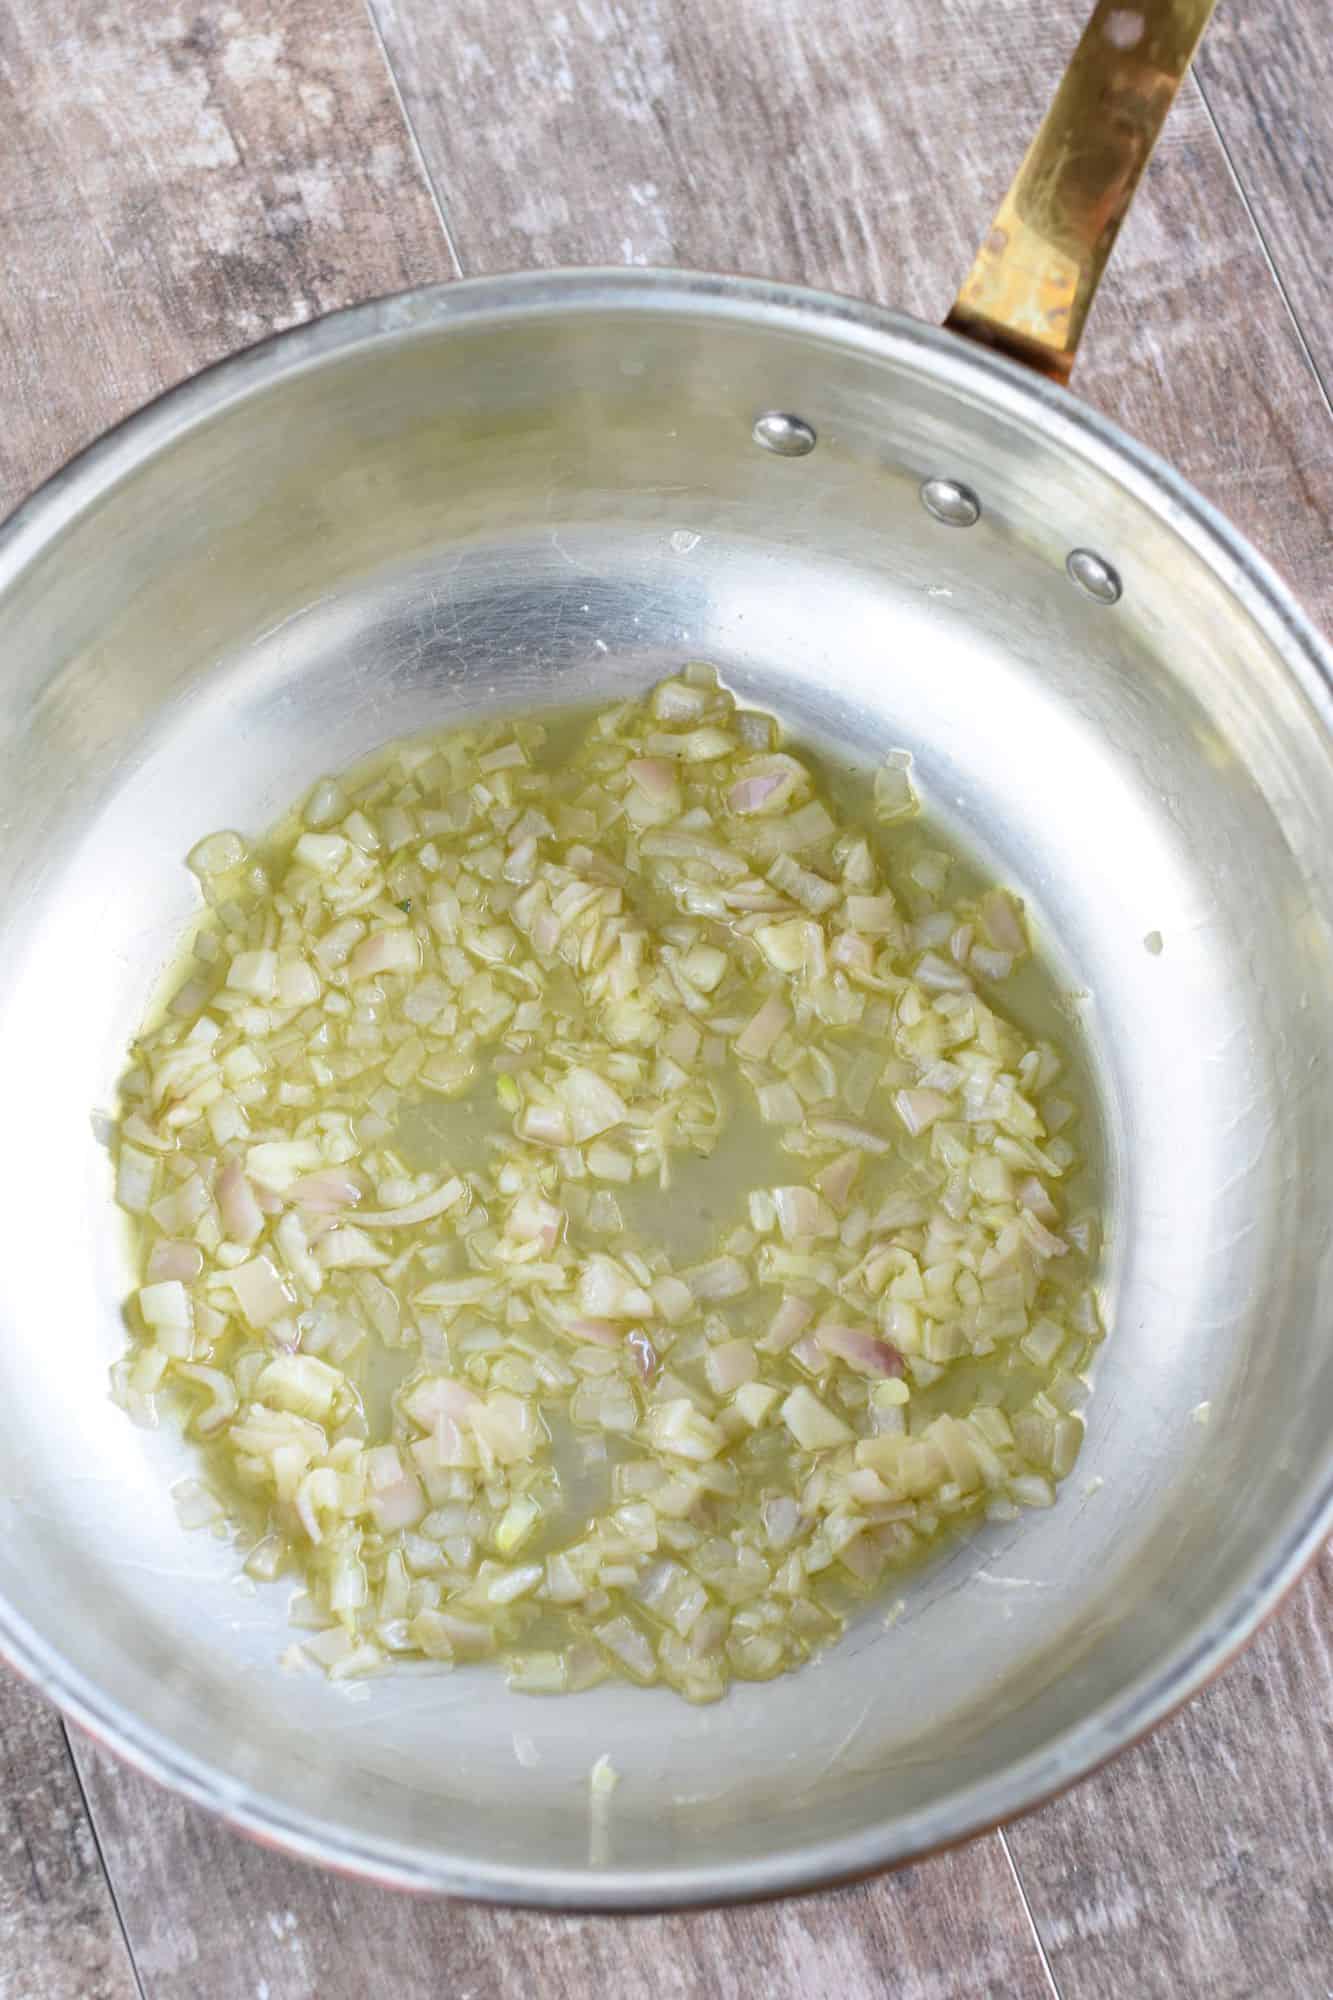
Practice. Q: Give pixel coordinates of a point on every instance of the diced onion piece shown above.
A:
(218, 854)
(704, 966)
(673, 1298)
(656, 778)
(814, 1427)
(843, 1132)
(782, 1520)
(894, 796)
(242, 1217)
(919, 1109)
(755, 794)
(260, 1293)
(812, 891)
(723, 1278)
(384, 1467)
(166, 1306)
(756, 1040)
(853, 954)
(678, 1428)
(327, 803)
(298, 982)
(593, 1106)
(629, 1648)
(326, 1193)
(873, 916)
(438, 1396)
(605, 1291)
(346, 1248)
(136, 1172)
(516, 1524)
(546, 1124)
(168, 1259)
(385, 951)
(786, 946)
(836, 1181)
(755, 1400)
(506, 1426)
(254, 972)
(438, 1202)
(697, 746)
(793, 832)
(789, 1322)
(939, 975)
(455, 1292)
(679, 701)
(730, 1364)
(300, 1383)
(325, 853)
(399, 1506)
(395, 1497)
(278, 1163)
(990, 964)
(779, 1104)
(601, 1332)
(802, 1215)
(766, 784)
(1003, 923)
(222, 1403)
(603, 1777)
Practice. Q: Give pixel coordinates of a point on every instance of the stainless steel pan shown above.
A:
(543, 489)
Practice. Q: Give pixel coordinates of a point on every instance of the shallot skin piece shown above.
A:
(593, 1211)
(861, 1350)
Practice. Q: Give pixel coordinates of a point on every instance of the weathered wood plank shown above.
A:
(203, 236)
(174, 185)
(1199, 1863)
(865, 147)
(59, 1935)
(212, 1915)
(170, 188)
(1267, 74)
(828, 144)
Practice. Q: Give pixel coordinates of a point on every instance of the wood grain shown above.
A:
(1267, 74)
(954, 1929)
(228, 203)
(1199, 1863)
(864, 147)
(59, 1935)
(170, 189)
(174, 185)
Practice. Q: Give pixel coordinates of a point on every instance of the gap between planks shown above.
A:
(1261, 237)
(107, 1875)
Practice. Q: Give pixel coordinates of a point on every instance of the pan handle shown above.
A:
(1032, 285)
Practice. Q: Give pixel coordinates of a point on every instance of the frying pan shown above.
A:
(550, 489)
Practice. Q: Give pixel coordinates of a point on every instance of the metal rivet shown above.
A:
(788, 436)
(951, 502)
(1094, 575)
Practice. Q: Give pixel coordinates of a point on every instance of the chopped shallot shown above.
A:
(591, 1207)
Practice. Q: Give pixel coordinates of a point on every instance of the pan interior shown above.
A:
(462, 511)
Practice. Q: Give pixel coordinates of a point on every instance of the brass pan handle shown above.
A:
(1032, 285)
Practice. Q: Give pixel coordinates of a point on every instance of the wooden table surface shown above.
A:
(176, 181)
